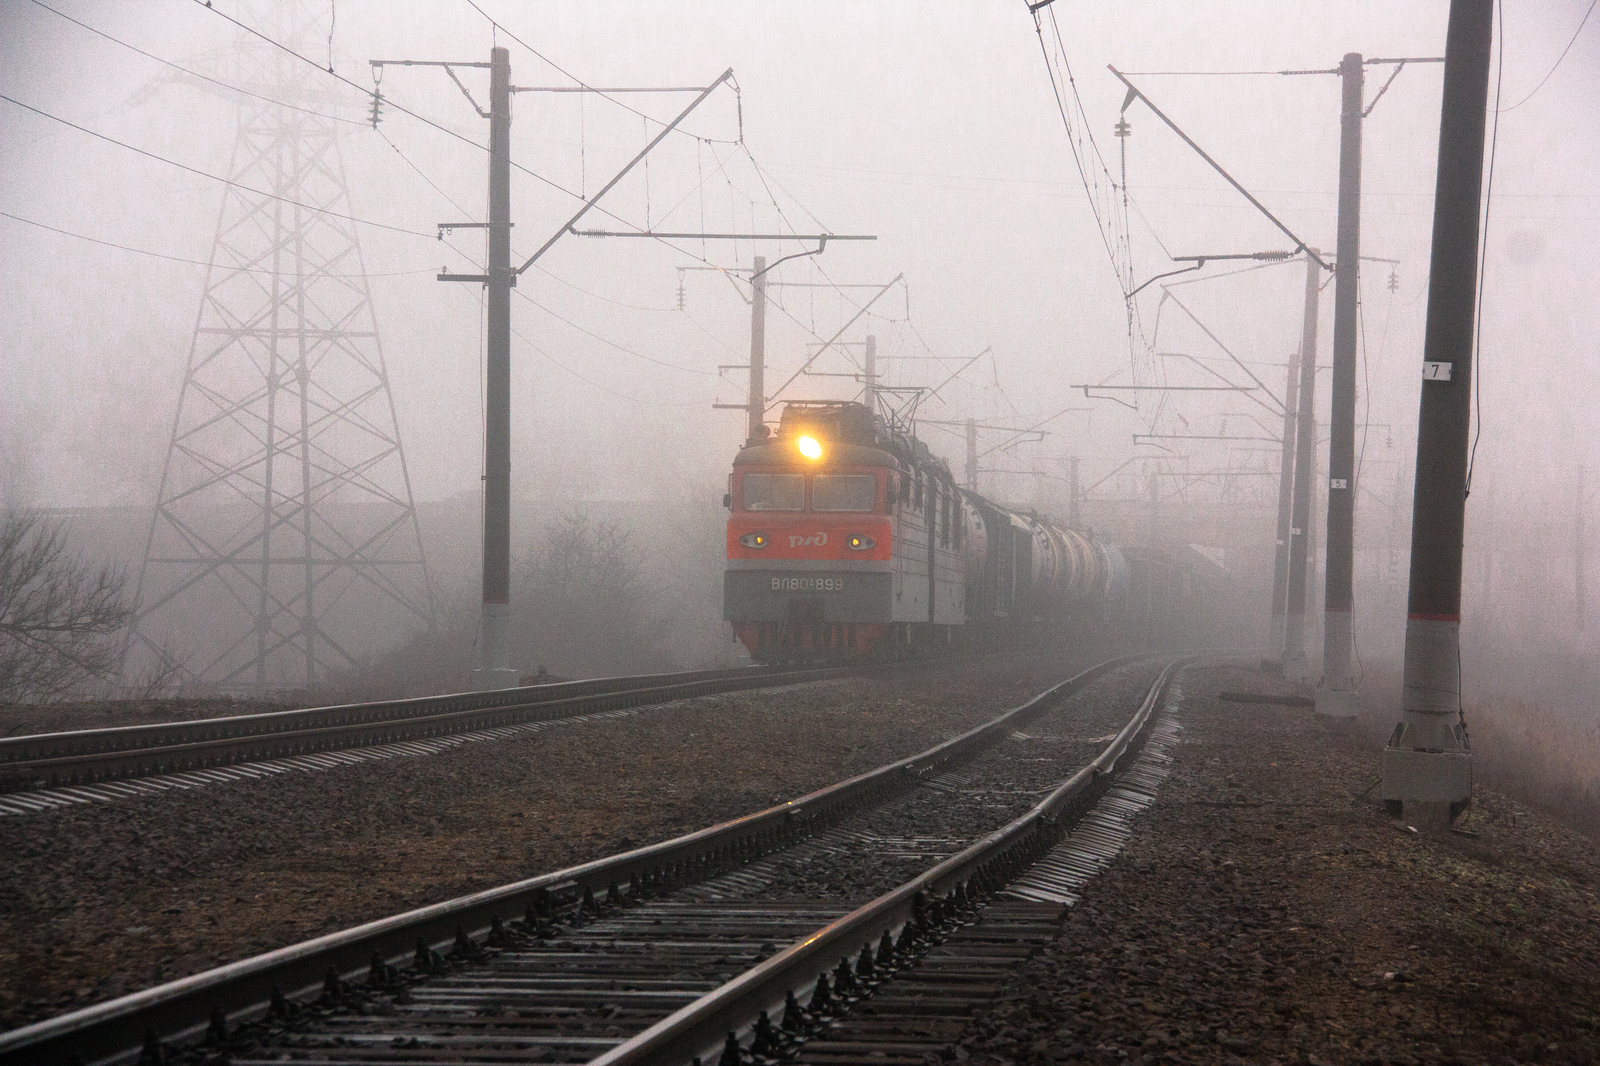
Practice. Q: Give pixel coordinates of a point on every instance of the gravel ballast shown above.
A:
(906, 836)
(103, 899)
(1267, 911)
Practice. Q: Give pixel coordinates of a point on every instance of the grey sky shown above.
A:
(930, 125)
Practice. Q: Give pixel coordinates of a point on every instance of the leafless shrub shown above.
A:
(582, 607)
(59, 616)
(162, 674)
(585, 608)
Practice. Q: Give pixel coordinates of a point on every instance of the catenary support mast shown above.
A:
(1427, 765)
(1577, 560)
(495, 670)
(870, 372)
(1336, 695)
(1280, 570)
(972, 455)
(758, 351)
(1072, 490)
(1294, 641)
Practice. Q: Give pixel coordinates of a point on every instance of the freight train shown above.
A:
(849, 539)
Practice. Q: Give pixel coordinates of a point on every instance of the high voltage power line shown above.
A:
(193, 73)
(756, 168)
(213, 177)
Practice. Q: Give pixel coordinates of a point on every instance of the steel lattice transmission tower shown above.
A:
(285, 541)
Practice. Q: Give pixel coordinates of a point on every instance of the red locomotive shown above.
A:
(847, 539)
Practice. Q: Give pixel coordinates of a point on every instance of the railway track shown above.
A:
(668, 953)
(92, 757)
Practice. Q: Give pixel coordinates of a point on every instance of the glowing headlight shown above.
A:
(809, 447)
(860, 543)
(754, 540)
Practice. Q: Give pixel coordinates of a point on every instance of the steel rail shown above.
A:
(114, 1031)
(699, 1030)
(84, 756)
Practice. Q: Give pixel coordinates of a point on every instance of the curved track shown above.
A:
(705, 968)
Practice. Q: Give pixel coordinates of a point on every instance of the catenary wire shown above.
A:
(1061, 107)
(611, 343)
(1483, 253)
(198, 262)
(420, 173)
(326, 211)
(1552, 69)
(195, 73)
(285, 48)
(365, 92)
(500, 26)
(214, 177)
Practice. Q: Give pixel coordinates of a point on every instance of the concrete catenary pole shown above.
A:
(1305, 444)
(757, 403)
(1336, 696)
(1280, 569)
(495, 670)
(871, 374)
(1427, 765)
(972, 455)
(1577, 557)
(1073, 514)
(1155, 506)
(1489, 541)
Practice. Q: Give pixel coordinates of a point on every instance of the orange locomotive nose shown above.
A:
(805, 537)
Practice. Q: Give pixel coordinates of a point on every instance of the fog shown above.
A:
(931, 126)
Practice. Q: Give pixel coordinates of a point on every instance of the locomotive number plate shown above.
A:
(808, 584)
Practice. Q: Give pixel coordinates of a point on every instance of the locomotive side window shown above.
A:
(844, 492)
(774, 492)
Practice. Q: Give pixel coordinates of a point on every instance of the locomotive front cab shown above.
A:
(810, 536)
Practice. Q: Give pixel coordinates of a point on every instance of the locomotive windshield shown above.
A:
(844, 492)
(774, 492)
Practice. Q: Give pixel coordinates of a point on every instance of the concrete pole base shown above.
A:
(1296, 667)
(492, 679)
(1427, 816)
(1338, 702)
(1431, 785)
(495, 673)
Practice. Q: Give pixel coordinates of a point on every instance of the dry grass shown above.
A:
(1545, 756)
(1540, 748)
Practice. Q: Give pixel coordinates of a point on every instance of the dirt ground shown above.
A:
(101, 899)
(1267, 911)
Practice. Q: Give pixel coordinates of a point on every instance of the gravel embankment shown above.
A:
(103, 899)
(1267, 911)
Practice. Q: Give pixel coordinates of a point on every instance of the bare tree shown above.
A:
(163, 673)
(59, 616)
(585, 607)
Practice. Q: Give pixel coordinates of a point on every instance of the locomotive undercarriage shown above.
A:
(800, 640)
